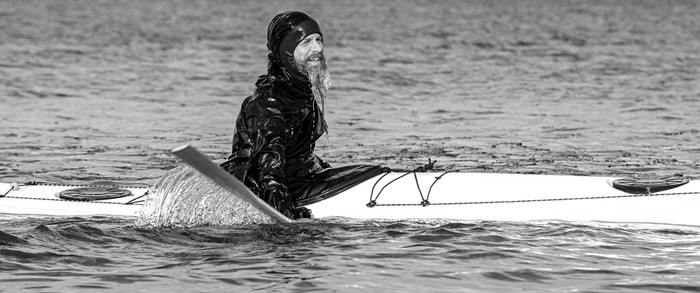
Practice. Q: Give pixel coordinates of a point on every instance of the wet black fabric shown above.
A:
(275, 135)
(332, 181)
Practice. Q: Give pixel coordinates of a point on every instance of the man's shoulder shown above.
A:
(263, 96)
(263, 100)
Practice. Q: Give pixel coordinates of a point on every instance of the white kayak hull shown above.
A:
(456, 196)
(515, 197)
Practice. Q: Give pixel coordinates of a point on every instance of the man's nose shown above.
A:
(316, 46)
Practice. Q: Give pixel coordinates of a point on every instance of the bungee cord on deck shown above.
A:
(426, 202)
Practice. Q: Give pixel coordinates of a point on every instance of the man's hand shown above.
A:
(277, 196)
(299, 213)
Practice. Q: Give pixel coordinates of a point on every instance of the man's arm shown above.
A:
(272, 136)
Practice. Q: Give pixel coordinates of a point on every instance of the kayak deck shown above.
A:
(42, 199)
(427, 195)
(511, 197)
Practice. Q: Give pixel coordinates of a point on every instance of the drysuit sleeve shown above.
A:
(272, 136)
(271, 160)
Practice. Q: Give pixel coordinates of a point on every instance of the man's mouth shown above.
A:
(314, 58)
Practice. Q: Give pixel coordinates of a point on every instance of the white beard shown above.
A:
(320, 80)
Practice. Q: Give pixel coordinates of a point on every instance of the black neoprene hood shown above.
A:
(285, 32)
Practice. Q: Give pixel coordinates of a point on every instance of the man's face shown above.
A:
(309, 51)
(309, 58)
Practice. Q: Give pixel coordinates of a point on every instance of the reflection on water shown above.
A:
(343, 255)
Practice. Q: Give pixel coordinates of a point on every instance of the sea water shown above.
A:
(102, 90)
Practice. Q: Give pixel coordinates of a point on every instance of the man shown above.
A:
(279, 123)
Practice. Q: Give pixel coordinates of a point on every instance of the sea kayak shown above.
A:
(421, 195)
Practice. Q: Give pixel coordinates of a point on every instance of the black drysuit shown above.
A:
(275, 136)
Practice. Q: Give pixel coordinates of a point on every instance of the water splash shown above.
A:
(185, 198)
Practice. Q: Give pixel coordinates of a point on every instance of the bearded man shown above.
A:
(278, 125)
